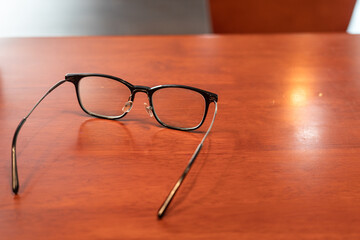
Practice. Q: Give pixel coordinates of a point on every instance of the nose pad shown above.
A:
(148, 109)
(127, 107)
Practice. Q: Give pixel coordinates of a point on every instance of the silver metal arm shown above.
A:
(172, 193)
(14, 172)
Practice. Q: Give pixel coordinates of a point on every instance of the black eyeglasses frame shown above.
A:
(76, 78)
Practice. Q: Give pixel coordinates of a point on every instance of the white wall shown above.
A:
(354, 26)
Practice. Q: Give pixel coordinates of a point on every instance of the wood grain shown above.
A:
(277, 16)
(280, 163)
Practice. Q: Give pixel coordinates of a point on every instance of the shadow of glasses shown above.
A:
(98, 137)
(101, 135)
(128, 118)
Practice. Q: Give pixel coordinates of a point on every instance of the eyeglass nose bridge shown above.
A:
(128, 105)
(139, 88)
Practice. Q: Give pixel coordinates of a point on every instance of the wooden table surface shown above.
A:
(282, 160)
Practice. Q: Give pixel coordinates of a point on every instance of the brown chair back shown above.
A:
(269, 16)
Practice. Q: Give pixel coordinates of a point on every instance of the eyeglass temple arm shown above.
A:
(172, 193)
(14, 172)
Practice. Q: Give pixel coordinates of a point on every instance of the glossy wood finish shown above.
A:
(275, 16)
(282, 160)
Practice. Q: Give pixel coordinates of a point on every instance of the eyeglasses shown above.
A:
(173, 106)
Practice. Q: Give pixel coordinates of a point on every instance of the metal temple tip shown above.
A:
(15, 189)
(160, 215)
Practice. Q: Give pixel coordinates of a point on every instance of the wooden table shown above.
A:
(282, 160)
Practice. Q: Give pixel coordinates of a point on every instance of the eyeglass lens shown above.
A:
(103, 96)
(179, 107)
